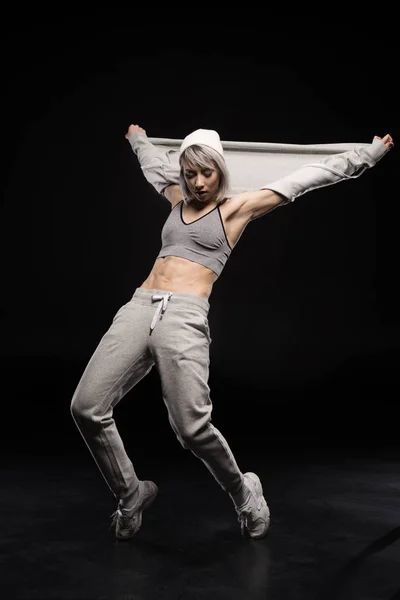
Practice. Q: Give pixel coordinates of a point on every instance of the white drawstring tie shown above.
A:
(161, 308)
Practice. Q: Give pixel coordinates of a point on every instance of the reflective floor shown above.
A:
(334, 533)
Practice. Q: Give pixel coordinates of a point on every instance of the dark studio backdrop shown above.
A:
(304, 318)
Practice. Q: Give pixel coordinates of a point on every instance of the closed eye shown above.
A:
(205, 172)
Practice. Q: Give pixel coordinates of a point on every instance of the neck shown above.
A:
(197, 205)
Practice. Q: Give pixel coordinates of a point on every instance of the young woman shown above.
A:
(165, 322)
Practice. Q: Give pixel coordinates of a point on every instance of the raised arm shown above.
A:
(156, 164)
(331, 170)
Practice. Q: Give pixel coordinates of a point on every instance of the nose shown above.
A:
(199, 183)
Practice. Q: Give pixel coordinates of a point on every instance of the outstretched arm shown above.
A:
(156, 164)
(335, 168)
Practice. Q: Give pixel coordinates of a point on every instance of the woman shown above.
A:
(165, 323)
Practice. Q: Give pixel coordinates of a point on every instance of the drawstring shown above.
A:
(161, 308)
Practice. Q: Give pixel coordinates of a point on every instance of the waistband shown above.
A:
(145, 296)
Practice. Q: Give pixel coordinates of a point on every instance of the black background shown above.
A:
(304, 318)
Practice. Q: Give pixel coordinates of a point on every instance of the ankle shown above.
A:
(130, 500)
(241, 496)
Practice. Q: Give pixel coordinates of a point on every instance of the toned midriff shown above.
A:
(174, 274)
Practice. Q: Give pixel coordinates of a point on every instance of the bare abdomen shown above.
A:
(180, 275)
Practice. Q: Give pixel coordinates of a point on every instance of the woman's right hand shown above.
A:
(133, 128)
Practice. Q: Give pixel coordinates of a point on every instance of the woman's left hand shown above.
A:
(387, 140)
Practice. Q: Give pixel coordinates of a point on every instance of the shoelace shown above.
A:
(114, 516)
(246, 512)
(119, 517)
(242, 521)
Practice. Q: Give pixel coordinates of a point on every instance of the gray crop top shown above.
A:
(203, 241)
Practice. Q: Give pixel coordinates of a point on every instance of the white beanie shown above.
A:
(203, 137)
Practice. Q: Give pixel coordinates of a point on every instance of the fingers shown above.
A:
(134, 127)
(387, 140)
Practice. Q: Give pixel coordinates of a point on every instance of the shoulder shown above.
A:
(173, 194)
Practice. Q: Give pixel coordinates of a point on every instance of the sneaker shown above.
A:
(127, 522)
(253, 515)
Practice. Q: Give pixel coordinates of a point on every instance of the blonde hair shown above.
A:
(204, 157)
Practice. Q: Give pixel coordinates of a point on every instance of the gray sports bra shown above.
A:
(203, 241)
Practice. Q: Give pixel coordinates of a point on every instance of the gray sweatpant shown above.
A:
(170, 331)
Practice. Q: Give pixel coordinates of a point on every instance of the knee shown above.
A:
(76, 408)
(194, 434)
(82, 408)
(192, 430)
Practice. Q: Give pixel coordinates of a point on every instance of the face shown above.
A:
(202, 182)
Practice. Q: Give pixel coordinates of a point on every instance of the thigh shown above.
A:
(181, 350)
(120, 360)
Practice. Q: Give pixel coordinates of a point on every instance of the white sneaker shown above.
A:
(254, 515)
(127, 522)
